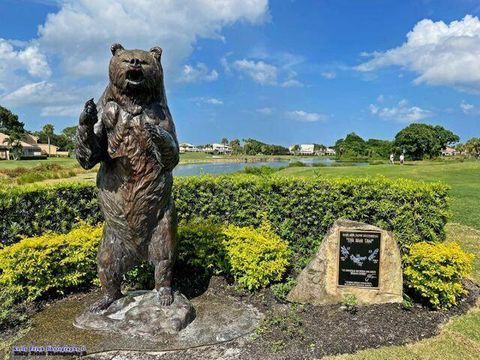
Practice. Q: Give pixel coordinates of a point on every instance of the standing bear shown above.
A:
(130, 132)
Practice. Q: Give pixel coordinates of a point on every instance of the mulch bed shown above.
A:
(305, 332)
(309, 331)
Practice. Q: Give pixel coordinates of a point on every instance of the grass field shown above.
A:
(462, 177)
(12, 164)
(185, 158)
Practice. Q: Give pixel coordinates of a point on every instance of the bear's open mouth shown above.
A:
(135, 76)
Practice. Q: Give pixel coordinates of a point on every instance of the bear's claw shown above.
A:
(102, 304)
(165, 296)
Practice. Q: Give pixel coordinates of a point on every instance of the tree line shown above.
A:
(253, 147)
(417, 141)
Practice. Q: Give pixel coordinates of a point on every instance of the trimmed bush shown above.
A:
(201, 244)
(49, 264)
(46, 266)
(257, 257)
(300, 210)
(435, 272)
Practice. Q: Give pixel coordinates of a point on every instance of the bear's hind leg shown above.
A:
(162, 254)
(113, 262)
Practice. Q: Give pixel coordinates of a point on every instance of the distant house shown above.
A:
(28, 150)
(186, 147)
(307, 149)
(46, 149)
(330, 151)
(449, 151)
(218, 149)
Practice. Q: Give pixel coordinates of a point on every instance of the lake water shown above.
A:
(225, 167)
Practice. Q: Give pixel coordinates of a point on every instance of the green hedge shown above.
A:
(32, 210)
(300, 210)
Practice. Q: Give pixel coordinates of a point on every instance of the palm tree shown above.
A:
(13, 141)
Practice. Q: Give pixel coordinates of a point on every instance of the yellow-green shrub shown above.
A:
(435, 272)
(257, 256)
(49, 264)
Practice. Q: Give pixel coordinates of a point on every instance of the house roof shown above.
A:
(4, 137)
(31, 139)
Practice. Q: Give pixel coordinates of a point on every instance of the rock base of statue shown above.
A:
(140, 314)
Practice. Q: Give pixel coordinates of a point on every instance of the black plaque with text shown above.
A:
(359, 259)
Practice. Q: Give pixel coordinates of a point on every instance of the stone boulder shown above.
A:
(323, 280)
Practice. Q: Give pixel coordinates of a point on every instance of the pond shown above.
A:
(230, 167)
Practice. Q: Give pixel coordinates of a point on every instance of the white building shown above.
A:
(449, 151)
(330, 151)
(186, 147)
(307, 149)
(218, 149)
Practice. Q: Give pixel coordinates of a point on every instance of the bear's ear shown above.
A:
(115, 48)
(157, 52)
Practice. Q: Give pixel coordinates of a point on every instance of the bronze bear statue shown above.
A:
(130, 132)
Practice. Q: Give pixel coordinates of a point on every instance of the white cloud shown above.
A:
(52, 99)
(61, 110)
(291, 83)
(439, 53)
(260, 72)
(373, 109)
(265, 111)
(300, 115)
(330, 75)
(265, 73)
(39, 93)
(380, 98)
(197, 73)
(29, 59)
(401, 113)
(82, 31)
(76, 41)
(469, 109)
(207, 100)
(214, 101)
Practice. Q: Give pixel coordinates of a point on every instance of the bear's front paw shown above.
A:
(165, 296)
(89, 114)
(102, 304)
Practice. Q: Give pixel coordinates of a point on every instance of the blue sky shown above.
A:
(280, 71)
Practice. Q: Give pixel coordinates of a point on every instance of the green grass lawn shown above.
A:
(462, 177)
(12, 164)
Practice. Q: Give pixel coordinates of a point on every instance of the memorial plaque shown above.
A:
(359, 259)
(348, 263)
